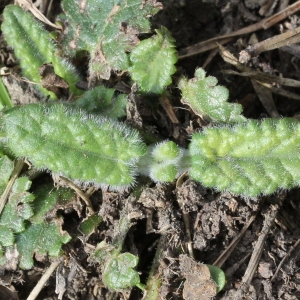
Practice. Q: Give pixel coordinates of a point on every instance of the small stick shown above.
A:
(39, 286)
(285, 258)
(277, 41)
(259, 246)
(223, 39)
(81, 194)
(165, 103)
(15, 174)
(223, 257)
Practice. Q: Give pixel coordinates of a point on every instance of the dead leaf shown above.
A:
(29, 5)
(52, 81)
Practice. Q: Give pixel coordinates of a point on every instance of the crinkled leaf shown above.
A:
(48, 198)
(69, 142)
(6, 168)
(119, 274)
(102, 100)
(34, 47)
(16, 211)
(106, 29)
(152, 62)
(21, 184)
(251, 158)
(208, 99)
(43, 238)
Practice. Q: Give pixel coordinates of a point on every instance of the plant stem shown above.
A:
(154, 280)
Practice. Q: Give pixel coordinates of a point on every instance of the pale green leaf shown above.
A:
(152, 62)
(119, 274)
(209, 100)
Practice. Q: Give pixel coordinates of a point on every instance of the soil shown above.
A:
(254, 241)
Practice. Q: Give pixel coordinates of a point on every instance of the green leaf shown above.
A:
(6, 236)
(103, 252)
(16, 211)
(208, 99)
(118, 272)
(6, 168)
(252, 158)
(163, 162)
(48, 198)
(152, 62)
(218, 276)
(85, 148)
(102, 100)
(90, 224)
(34, 47)
(106, 29)
(21, 184)
(42, 239)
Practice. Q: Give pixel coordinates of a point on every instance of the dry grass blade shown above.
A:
(263, 83)
(29, 5)
(17, 170)
(223, 257)
(259, 246)
(277, 41)
(263, 24)
(285, 258)
(266, 98)
(35, 292)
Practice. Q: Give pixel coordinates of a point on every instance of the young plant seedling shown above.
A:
(249, 158)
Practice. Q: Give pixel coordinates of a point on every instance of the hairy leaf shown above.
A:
(6, 168)
(34, 47)
(163, 162)
(208, 99)
(44, 238)
(152, 62)
(253, 158)
(85, 148)
(106, 29)
(16, 211)
(102, 100)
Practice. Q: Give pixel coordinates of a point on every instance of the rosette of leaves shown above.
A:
(105, 29)
(209, 100)
(34, 47)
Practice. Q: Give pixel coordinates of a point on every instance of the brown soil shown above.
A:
(185, 217)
